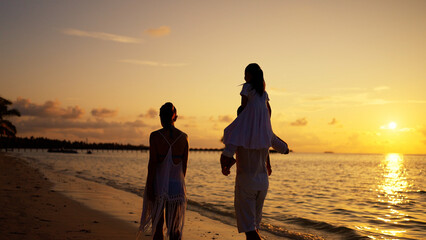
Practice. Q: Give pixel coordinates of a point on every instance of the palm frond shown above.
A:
(7, 128)
(12, 112)
(4, 101)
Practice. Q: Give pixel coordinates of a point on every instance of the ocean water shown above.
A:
(330, 196)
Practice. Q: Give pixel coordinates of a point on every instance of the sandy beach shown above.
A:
(39, 204)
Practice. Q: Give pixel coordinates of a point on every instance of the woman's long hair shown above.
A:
(257, 81)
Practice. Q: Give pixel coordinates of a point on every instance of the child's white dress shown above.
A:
(170, 194)
(252, 128)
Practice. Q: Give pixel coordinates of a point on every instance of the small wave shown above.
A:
(33, 160)
(206, 208)
(417, 192)
(114, 184)
(289, 234)
(228, 217)
(342, 211)
(346, 232)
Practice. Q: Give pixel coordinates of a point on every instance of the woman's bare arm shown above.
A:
(185, 156)
(152, 165)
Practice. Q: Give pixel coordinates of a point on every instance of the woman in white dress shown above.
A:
(165, 191)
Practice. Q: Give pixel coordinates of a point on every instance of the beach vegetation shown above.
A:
(6, 127)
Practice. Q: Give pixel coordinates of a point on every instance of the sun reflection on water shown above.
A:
(394, 182)
(391, 190)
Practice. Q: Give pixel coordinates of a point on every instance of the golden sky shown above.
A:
(342, 76)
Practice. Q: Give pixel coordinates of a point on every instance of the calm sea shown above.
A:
(335, 196)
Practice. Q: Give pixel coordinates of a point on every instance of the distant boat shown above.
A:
(328, 152)
(61, 150)
(89, 152)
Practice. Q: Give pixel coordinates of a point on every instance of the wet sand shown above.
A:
(39, 204)
(31, 209)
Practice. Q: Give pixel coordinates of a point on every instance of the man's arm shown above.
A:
(227, 159)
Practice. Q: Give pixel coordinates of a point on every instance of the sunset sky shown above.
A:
(342, 76)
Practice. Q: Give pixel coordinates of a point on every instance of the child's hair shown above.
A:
(168, 114)
(257, 82)
(239, 110)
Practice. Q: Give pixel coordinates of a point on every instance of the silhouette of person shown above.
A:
(250, 136)
(165, 185)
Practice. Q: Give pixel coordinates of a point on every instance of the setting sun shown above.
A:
(392, 125)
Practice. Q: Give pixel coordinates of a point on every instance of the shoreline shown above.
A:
(31, 209)
(40, 204)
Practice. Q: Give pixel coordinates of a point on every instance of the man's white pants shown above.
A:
(248, 208)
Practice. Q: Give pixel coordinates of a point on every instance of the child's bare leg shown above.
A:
(253, 235)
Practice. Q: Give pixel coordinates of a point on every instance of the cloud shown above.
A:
(151, 113)
(333, 121)
(72, 112)
(300, 122)
(101, 36)
(97, 130)
(39, 124)
(221, 118)
(353, 140)
(152, 63)
(407, 129)
(423, 131)
(390, 126)
(48, 109)
(225, 118)
(381, 88)
(103, 113)
(350, 98)
(346, 100)
(53, 121)
(158, 32)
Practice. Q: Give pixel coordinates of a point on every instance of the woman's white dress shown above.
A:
(252, 128)
(170, 194)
